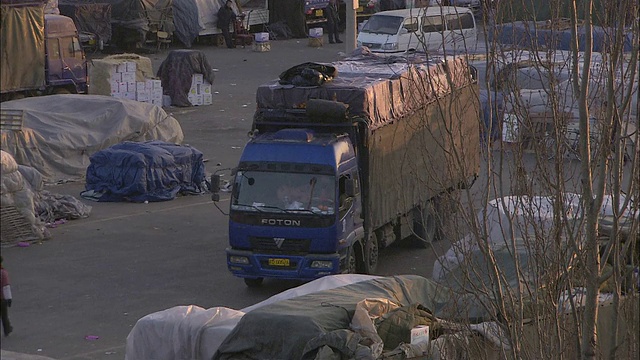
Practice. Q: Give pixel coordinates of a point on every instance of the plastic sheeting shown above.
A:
(150, 171)
(22, 58)
(266, 332)
(61, 132)
(176, 72)
(378, 89)
(186, 21)
(91, 18)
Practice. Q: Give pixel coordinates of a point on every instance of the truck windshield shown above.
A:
(382, 24)
(284, 192)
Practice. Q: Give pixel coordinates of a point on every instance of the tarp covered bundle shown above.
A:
(93, 18)
(149, 171)
(61, 132)
(380, 90)
(17, 201)
(100, 71)
(177, 70)
(283, 330)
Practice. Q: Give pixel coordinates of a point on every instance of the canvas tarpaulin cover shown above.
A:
(148, 171)
(282, 330)
(61, 132)
(22, 36)
(176, 72)
(186, 21)
(91, 18)
(380, 90)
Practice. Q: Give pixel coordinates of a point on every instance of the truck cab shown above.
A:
(66, 65)
(295, 200)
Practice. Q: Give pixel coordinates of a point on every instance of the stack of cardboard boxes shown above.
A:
(315, 37)
(124, 85)
(200, 92)
(261, 43)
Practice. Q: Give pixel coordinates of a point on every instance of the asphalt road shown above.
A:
(98, 276)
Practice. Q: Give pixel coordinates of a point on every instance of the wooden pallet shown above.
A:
(11, 119)
(14, 228)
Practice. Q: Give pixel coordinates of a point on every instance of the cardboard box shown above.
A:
(207, 99)
(122, 87)
(166, 100)
(315, 32)
(122, 67)
(129, 77)
(143, 95)
(115, 86)
(315, 42)
(204, 89)
(117, 95)
(116, 77)
(132, 86)
(141, 85)
(156, 84)
(197, 79)
(420, 334)
(156, 102)
(129, 95)
(261, 36)
(262, 47)
(157, 93)
(196, 100)
(131, 66)
(193, 90)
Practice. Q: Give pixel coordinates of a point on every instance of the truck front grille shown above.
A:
(280, 246)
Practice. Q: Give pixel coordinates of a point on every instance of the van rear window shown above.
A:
(458, 22)
(432, 23)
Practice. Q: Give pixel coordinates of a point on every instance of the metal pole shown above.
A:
(350, 32)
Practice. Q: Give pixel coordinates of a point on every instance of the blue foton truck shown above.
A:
(334, 173)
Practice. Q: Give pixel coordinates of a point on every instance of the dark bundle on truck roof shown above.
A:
(388, 137)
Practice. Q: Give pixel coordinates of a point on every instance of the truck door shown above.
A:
(66, 65)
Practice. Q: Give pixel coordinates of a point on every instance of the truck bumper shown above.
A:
(246, 264)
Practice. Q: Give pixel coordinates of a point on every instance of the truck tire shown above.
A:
(252, 283)
(371, 254)
(351, 266)
(425, 225)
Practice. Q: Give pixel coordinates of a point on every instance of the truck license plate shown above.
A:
(319, 13)
(278, 262)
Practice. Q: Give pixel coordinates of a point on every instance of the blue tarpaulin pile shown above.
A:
(147, 171)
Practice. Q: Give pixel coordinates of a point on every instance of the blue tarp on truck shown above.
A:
(149, 171)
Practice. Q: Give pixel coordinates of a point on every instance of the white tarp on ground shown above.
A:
(191, 332)
(61, 132)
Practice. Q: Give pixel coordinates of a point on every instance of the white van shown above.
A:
(432, 28)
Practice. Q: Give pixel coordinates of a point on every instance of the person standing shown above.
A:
(226, 17)
(5, 299)
(333, 20)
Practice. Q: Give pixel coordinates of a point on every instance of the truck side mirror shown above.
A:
(215, 187)
(349, 189)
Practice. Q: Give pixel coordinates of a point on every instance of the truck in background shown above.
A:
(41, 53)
(314, 12)
(334, 173)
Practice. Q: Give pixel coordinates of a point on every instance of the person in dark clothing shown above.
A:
(5, 299)
(332, 22)
(226, 17)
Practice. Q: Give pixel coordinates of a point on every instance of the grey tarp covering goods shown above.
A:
(176, 72)
(532, 35)
(149, 171)
(91, 18)
(290, 12)
(22, 36)
(60, 132)
(185, 21)
(282, 330)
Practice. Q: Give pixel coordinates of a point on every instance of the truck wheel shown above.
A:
(351, 267)
(253, 282)
(61, 91)
(425, 225)
(371, 252)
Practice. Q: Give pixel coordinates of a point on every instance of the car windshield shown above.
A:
(263, 191)
(382, 24)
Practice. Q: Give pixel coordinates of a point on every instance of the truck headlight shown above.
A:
(390, 46)
(239, 260)
(321, 264)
